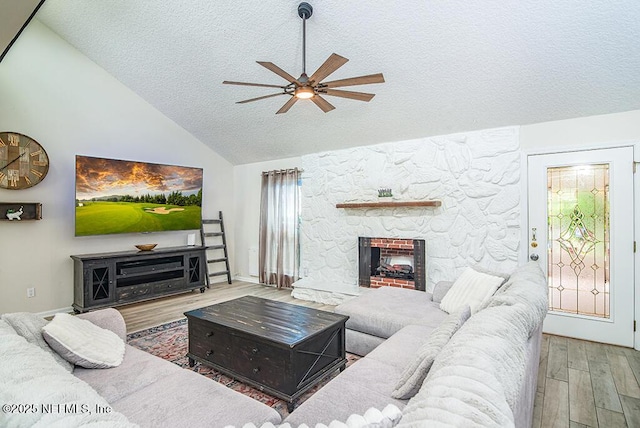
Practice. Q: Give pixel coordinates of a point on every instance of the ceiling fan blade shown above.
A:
(324, 105)
(227, 82)
(332, 63)
(261, 98)
(285, 108)
(361, 80)
(280, 72)
(360, 96)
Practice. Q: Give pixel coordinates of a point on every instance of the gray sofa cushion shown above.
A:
(188, 399)
(108, 318)
(138, 370)
(400, 349)
(366, 383)
(416, 371)
(360, 343)
(382, 312)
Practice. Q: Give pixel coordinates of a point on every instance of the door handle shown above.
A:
(534, 257)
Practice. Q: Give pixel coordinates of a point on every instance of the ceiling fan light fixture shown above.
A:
(304, 92)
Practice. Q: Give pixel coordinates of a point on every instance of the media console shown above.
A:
(118, 278)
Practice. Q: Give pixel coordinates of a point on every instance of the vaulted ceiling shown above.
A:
(450, 66)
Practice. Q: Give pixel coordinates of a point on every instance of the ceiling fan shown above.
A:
(305, 87)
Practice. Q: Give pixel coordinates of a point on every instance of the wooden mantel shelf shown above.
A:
(390, 204)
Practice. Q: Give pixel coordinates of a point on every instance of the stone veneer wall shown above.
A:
(476, 175)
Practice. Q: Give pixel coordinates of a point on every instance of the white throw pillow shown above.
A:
(472, 288)
(83, 343)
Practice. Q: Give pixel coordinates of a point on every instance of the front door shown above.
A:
(581, 232)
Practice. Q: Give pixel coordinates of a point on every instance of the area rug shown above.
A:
(170, 342)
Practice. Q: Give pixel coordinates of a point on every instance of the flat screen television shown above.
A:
(121, 196)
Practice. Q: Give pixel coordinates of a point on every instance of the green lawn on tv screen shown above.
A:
(98, 218)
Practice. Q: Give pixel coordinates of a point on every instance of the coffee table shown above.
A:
(279, 348)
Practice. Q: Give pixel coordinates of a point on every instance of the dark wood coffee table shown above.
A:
(277, 347)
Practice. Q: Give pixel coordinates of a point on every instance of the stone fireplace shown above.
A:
(394, 262)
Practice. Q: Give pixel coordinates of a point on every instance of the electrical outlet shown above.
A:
(31, 292)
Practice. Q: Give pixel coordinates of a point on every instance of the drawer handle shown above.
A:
(210, 334)
(254, 350)
(209, 353)
(256, 370)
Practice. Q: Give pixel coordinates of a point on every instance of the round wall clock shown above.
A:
(23, 161)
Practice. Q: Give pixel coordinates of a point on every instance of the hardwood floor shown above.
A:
(139, 316)
(587, 384)
(580, 384)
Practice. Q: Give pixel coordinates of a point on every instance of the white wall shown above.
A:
(592, 131)
(54, 94)
(247, 181)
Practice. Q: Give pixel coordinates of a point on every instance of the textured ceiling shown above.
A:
(450, 66)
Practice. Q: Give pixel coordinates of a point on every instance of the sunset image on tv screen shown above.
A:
(119, 196)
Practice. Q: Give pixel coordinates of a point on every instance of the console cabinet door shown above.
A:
(195, 268)
(99, 287)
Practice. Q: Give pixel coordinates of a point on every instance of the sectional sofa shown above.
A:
(143, 390)
(483, 375)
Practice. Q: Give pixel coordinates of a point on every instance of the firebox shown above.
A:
(394, 262)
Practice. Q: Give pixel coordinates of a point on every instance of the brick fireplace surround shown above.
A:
(390, 247)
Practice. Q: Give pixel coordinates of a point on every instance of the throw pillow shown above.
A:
(415, 373)
(504, 276)
(83, 343)
(472, 288)
(440, 290)
(29, 326)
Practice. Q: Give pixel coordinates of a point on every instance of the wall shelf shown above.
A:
(390, 204)
(30, 210)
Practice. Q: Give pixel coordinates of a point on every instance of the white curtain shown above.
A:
(279, 253)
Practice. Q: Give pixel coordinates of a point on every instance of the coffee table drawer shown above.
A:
(210, 343)
(260, 362)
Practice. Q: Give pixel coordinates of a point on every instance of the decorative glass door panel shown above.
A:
(580, 223)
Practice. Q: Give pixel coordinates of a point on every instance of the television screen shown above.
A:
(120, 196)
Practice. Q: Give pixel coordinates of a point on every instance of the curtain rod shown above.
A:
(282, 171)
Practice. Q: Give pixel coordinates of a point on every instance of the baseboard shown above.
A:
(67, 310)
(251, 279)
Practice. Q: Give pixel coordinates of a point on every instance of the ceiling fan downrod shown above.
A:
(304, 11)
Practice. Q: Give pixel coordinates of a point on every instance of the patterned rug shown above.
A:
(170, 341)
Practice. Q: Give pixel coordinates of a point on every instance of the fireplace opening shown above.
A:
(375, 261)
(392, 262)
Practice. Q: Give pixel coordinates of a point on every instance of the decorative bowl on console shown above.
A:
(146, 247)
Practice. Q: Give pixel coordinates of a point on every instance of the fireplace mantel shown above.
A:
(390, 204)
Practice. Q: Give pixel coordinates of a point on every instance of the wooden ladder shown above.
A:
(216, 247)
